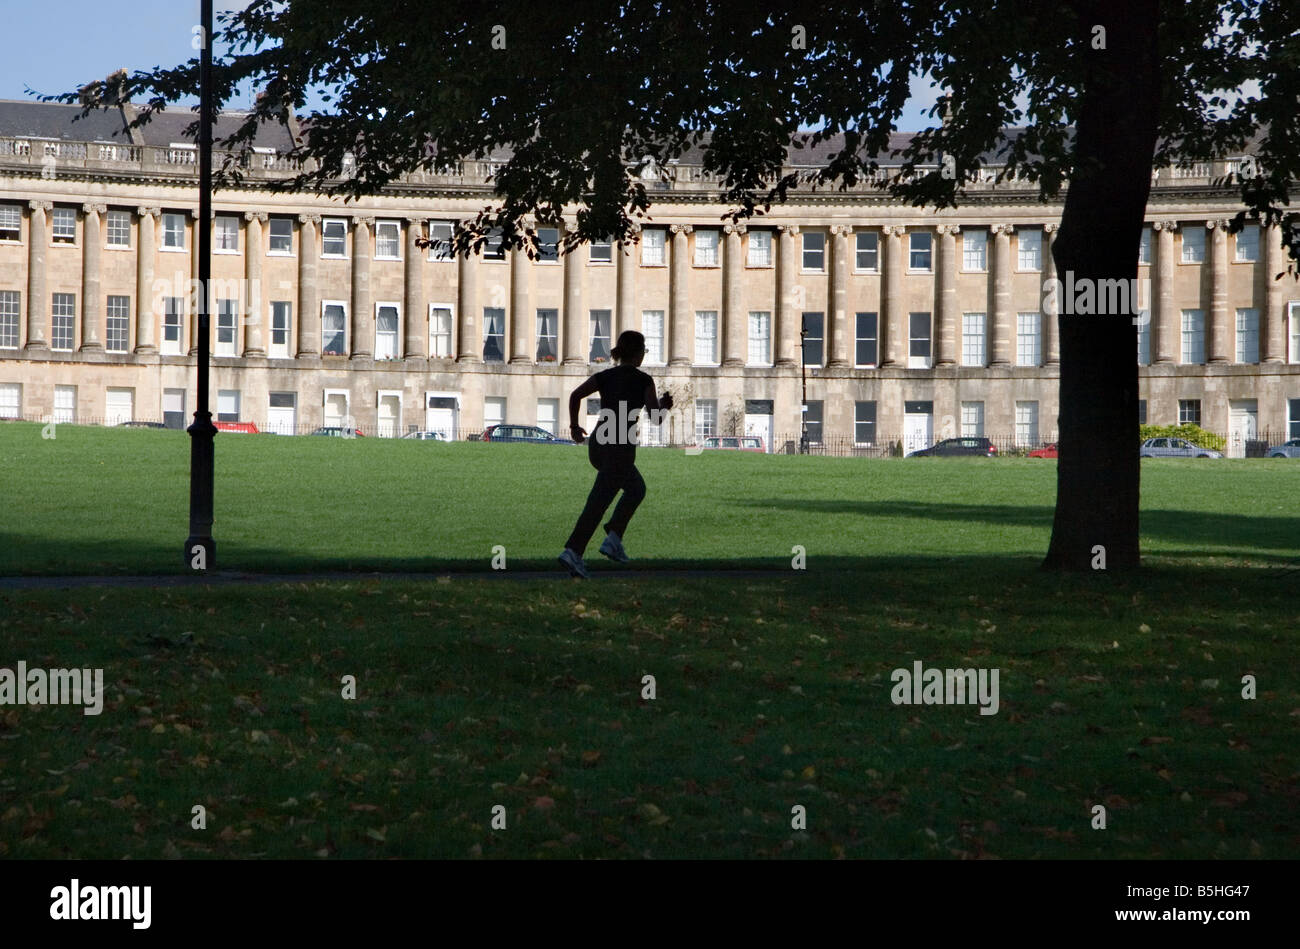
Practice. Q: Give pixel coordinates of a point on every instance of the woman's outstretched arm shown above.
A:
(575, 402)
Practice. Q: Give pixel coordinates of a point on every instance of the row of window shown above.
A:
(866, 351)
(334, 231)
(281, 415)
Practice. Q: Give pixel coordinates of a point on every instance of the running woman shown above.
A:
(624, 390)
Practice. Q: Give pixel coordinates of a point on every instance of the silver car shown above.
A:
(1176, 448)
(1289, 449)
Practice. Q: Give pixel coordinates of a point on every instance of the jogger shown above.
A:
(624, 391)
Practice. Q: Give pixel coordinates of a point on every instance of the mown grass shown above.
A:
(115, 501)
(770, 693)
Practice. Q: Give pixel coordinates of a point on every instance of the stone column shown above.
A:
(571, 329)
(1222, 330)
(1051, 321)
(309, 317)
(92, 310)
(38, 242)
(735, 332)
(467, 342)
(892, 324)
(254, 249)
(627, 315)
(415, 316)
(1272, 323)
(146, 321)
(1003, 329)
(945, 296)
(837, 320)
(520, 307)
(1165, 323)
(786, 332)
(363, 315)
(681, 336)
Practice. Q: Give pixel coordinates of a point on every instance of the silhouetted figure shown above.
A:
(624, 391)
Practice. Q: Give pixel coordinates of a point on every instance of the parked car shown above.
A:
(339, 432)
(957, 446)
(1047, 451)
(134, 424)
(426, 436)
(247, 427)
(1175, 448)
(522, 433)
(734, 443)
(1289, 449)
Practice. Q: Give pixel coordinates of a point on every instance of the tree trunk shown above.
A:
(1098, 469)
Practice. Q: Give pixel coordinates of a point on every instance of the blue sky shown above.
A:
(95, 38)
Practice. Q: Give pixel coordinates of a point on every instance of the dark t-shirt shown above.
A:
(622, 395)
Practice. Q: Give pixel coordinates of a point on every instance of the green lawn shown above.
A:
(116, 501)
(772, 691)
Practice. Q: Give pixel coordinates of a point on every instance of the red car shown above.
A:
(247, 427)
(1047, 451)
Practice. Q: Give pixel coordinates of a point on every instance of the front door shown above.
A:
(918, 425)
(1242, 426)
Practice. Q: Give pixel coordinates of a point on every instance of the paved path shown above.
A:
(231, 578)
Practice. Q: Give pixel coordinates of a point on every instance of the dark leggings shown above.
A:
(615, 471)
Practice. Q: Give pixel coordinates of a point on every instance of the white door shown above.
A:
(440, 416)
(1243, 424)
(390, 410)
(282, 413)
(173, 406)
(918, 430)
(760, 425)
(119, 406)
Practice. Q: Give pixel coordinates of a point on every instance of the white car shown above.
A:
(1176, 448)
(426, 436)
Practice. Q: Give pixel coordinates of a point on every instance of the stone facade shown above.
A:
(373, 327)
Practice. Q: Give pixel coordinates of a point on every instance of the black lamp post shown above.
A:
(200, 549)
(803, 385)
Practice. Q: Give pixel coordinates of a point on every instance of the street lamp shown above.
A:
(200, 549)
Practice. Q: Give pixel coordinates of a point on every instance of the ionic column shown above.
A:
(1272, 324)
(467, 341)
(415, 316)
(626, 317)
(519, 307)
(146, 322)
(837, 322)
(38, 240)
(945, 295)
(571, 329)
(309, 315)
(363, 317)
(1222, 328)
(1003, 331)
(787, 317)
(92, 314)
(254, 344)
(892, 324)
(680, 335)
(1165, 326)
(735, 334)
(1051, 325)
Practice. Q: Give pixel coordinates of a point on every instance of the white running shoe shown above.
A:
(573, 563)
(612, 547)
